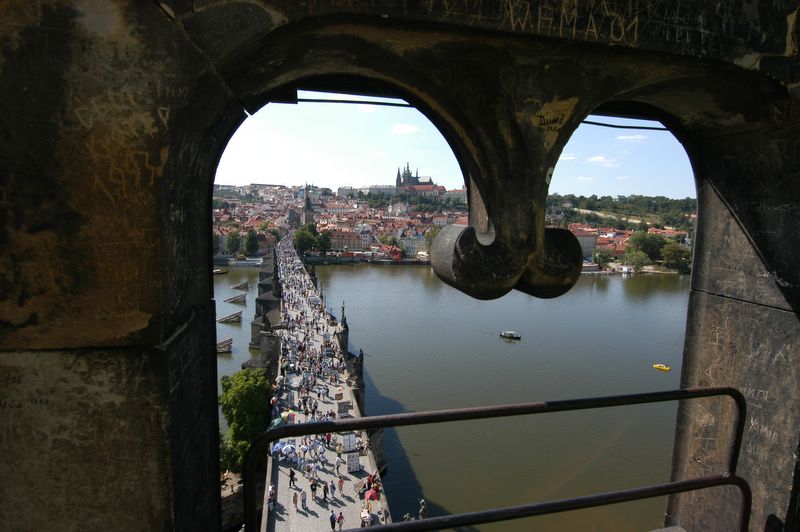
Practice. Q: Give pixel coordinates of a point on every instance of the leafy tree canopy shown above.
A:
(649, 243)
(635, 258)
(677, 256)
(603, 256)
(251, 242)
(303, 241)
(234, 242)
(245, 405)
(324, 242)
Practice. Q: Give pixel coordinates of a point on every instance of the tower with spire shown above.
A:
(308, 210)
(406, 178)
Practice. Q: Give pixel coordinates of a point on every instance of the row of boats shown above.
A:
(225, 346)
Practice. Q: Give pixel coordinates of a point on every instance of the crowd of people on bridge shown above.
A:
(312, 374)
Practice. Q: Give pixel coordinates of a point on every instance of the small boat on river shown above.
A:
(236, 317)
(661, 367)
(224, 346)
(220, 271)
(511, 335)
(237, 299)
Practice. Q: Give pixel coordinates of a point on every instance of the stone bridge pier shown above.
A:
(114, 115)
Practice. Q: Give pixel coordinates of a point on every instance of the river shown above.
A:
(429, 347)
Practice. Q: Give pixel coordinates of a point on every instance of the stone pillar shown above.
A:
(743, 329)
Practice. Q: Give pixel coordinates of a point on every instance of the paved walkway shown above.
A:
(312, 388)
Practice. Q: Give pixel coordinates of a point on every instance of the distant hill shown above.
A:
(623, 212)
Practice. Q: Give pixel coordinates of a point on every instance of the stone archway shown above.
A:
(114, 116)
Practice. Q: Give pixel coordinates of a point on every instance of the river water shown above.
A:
(430, 347)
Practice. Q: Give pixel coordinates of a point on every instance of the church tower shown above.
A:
(308, 210)
(398, 182)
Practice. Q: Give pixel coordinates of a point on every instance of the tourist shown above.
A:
(332, 517)
(291, 478)
(341, 484)
(332, 488)
(294, 501)
(303, 498)
(324, 491)
(340, 520)
(313, 489)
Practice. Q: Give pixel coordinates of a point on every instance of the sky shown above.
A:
(333, 145)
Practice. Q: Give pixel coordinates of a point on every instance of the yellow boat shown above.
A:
(662, 367)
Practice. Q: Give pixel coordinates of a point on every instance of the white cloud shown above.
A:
(623, 177)
(585, 178)
(602, 160)
(404, 129)
(567, 157)
(632, 138)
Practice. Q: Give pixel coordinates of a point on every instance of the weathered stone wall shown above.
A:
(114, 115)
(742, 328)
(83, 440)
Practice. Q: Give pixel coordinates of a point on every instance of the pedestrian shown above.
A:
(314, 490)
(294, 501)
(291, 478)
(332, 487)
(303, 498)
(332, 517)
(341, 484)
(340, 520)
(325, 491)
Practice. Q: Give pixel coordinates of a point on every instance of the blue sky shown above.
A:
(333, 145)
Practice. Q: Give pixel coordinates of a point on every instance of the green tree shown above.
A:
(603, 256)
(274, 232)
(677, 257)
(234, 242)
(324, 242)
(215, 241)
(635, 258)
(251, 242)
(303, 241)
(245, 405)
(648, 243)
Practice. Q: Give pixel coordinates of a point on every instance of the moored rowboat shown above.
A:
(231, 318)
(224, 346)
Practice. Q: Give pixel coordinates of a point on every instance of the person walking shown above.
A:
(332, 517)
(340, 520)
(294, 501)
(341, 484)
(314, 490)
(324, 490)
(303, 498)
(291, 478)
(332, 488)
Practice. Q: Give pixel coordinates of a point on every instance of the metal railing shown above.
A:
(727, 478)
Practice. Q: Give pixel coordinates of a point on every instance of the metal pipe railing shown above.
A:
(256, 452)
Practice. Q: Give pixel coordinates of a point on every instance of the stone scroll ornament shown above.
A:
(543, 266)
